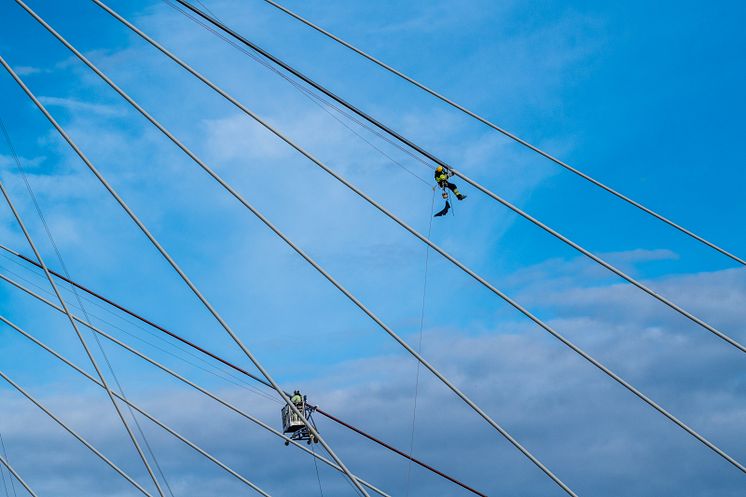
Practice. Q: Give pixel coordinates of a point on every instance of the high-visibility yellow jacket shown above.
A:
(441, 176)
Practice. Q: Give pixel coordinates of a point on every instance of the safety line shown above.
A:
(236, 368)
(318, 476)
(415, 233)
(503, 131)
(82, 340)
(17, 476)
(75, 434)
(184, 380)
(675, 307)
(279, 233)
(107, 361)
(160, 248)
(419, 341)
(131, 404)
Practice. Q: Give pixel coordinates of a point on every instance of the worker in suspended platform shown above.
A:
(297, 399)
(441, 177)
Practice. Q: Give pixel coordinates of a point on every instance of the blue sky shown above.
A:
(647, 98)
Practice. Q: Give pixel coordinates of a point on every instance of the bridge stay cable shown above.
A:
(205, 365)
(74, 433)
(227, 363)
(7, 459)
(523, 310)
(37, 206)
(279, 233)
(97, 2)
(504, 132)
(134, 406)
(184, 380)
(82, 339)
(335, 111)
(513, 303)
(14, 474)
(161, 249)
(397, 136)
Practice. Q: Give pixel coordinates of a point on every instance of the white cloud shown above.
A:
(578, 421)
(75, 105)
(28, 70)
(593, 433)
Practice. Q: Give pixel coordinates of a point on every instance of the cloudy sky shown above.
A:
(647, 98)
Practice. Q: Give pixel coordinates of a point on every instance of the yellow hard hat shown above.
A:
(439, 169)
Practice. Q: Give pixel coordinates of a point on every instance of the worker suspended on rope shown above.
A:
(441, 177)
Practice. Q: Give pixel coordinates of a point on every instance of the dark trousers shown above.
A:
(449, 185)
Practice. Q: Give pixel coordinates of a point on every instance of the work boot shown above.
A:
(460, 197)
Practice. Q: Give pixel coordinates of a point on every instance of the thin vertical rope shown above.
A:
(318, 476)
(419, 342)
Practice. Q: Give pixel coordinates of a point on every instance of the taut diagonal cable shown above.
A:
(7, 459)
(328, 107)
(2, 470)
(134, 406)
(75, 434)
(225, 362)
(184, 380)
(279, 233)
(412, 231)
(510, 135)
(60, 259)
(39, 258)
(163, 251)
(205, 366)
(482, 188)
(13, 473)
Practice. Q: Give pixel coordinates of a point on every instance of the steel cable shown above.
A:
(675, 307)
(223, 361)
(72, 432)
(82, 340)
(107, 361)
(411, 230)
(131, 404)
(13, 473)
(279, 233)
(506, 133)
(160, 248)
(186, 381)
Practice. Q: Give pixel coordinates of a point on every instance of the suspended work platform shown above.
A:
(296, 427)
